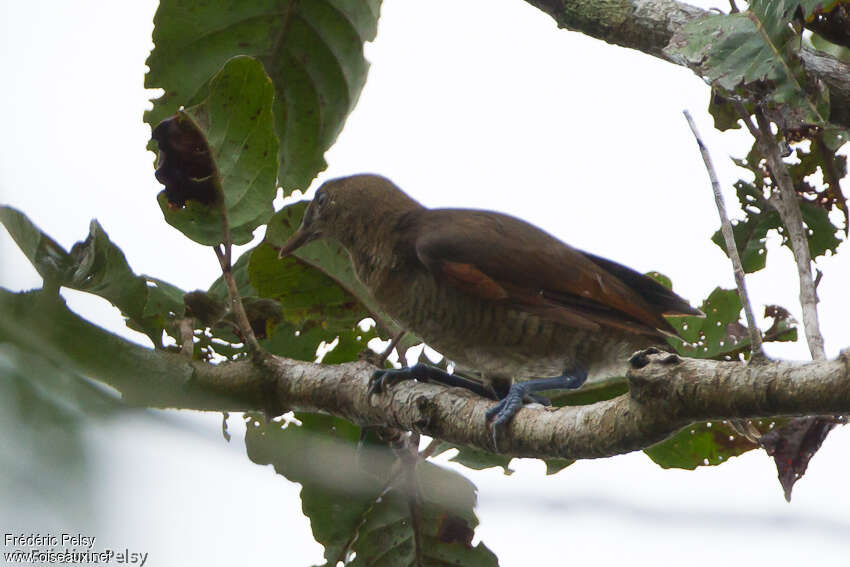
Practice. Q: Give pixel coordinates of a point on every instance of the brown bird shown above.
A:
(492, 293)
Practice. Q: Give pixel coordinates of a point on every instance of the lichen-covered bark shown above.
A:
(643, 25)
(666, 392)
(648, 25)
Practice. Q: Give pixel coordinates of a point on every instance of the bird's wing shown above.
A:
(502, 258)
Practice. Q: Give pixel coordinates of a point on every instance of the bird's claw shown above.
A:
(383, 379)
(503, 412)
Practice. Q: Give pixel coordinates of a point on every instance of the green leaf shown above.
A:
(554, 466)
(725, 116)
(313, 52)
(357, 503)
(98, 266)
(437, 528)
(321, 455)
(661, 278)
(163, 299)
(50, 260)
(217, 158)
(101, 268)
(348, 346)
(44, 410)
(39, 321)
(710, 443)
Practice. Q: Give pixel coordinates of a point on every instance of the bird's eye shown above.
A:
(321, 198)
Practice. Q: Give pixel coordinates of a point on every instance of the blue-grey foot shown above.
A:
(502, 413)
(382, 379)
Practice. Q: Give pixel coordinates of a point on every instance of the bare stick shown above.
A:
(785, 203)
(731, 247)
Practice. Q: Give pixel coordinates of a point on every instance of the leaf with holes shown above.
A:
(716, 334)
(750, 238)
(710, 443)
(313, 52)
(815, 205)
(216, 159)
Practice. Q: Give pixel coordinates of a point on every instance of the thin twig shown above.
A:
(223, 255)
(389, 350)
(731, 248)
(786, 204)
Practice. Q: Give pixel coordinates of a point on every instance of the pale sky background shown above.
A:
(481, 104)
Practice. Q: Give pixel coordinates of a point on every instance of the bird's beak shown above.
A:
(301, 237)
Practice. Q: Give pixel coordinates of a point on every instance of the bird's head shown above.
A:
(347, 208)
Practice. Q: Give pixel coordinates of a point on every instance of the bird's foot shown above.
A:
(503, 412)
(383, 379)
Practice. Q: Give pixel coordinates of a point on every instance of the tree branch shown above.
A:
(648, 26)
(666, 392)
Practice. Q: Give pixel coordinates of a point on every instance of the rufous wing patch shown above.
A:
(472, 280)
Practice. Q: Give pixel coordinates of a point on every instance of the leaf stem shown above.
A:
(223, 253)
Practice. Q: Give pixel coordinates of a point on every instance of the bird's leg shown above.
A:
(506, 409)
(382, 379)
